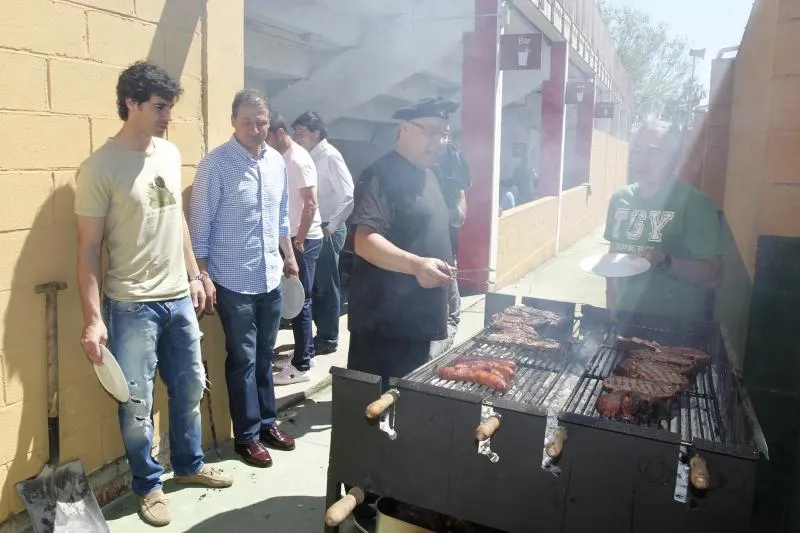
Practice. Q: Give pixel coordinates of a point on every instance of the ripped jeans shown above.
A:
(163, 335)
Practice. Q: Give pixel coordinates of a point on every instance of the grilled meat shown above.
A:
(485, 376)
(623, 405)
(485, 361)
(651, 371)
(514, 323)
(682, 351)
(681, 364)
(505, 371)
(518, 338)
(535, 317)
(635, 343)
(650, 390)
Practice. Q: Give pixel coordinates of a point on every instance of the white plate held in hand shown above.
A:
(615, 265)
(294, 295)
(111, 377)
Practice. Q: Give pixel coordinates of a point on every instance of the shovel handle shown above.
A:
(339, 511)
(50, 290)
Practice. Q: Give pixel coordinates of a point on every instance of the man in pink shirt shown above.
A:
(306, 231)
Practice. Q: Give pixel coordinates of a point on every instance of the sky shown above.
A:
(709, 24)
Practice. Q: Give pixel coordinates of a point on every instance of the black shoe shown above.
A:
(325, 349)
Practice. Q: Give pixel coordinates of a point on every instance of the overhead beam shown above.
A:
(320, 24)
(389, 54)
(266, 52)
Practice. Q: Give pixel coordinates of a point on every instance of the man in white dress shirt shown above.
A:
(307, 239)
(335, 193)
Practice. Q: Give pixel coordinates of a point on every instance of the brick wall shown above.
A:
(60, 61)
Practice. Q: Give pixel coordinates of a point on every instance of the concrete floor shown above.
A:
(290, 496)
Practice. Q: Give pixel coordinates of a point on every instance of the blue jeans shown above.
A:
(302, 326)
(327, 290)
(164, 335)
(250, 322)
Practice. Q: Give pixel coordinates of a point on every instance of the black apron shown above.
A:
(387, 304)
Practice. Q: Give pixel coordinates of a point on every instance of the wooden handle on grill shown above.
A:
(339, 511)
(485, 430)
(376, 408)
(698, 473)
(556, 444)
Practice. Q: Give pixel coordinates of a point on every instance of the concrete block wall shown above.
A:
(60, 60)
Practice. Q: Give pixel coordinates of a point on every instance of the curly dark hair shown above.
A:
(141, 81)
(311, 121)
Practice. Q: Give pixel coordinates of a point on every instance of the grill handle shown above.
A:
(339, 511)
(376, 408)
(698, 473)
(485, 430)
(556, 445)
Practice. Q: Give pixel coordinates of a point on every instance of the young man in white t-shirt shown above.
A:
(306, 230)
(128, 200)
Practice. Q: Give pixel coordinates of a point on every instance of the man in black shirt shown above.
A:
(399, 287)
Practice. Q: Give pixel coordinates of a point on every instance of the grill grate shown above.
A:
(694, 413)
(539, 380)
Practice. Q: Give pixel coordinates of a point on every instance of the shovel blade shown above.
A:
(60, 500)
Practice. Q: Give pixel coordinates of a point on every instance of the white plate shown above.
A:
(615, 265)
(294, 295)
(111, 377)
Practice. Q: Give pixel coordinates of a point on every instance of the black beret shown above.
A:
(429, 107)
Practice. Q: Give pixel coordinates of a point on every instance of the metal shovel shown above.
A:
(59, 499)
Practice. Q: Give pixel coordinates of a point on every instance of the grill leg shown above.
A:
(331, 496)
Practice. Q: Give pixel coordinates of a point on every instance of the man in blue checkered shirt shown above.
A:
(238, 220)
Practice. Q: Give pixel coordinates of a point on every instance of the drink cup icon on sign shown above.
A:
(523, 51)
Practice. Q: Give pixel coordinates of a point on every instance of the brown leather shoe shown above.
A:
(277, 439)
(254, 454)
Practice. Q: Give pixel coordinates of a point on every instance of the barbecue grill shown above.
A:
(539, 457)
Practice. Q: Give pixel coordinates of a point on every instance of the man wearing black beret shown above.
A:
(399, 287)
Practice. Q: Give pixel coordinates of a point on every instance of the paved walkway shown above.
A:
(290, 496)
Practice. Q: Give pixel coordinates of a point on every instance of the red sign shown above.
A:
(604, 110)
(521, 51)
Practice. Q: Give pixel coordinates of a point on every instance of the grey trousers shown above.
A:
(453, 320)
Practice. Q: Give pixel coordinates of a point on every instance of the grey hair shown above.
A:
(249, 98)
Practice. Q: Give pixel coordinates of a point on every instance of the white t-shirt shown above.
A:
(302, 173)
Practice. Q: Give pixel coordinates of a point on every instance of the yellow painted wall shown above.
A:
(60, 60)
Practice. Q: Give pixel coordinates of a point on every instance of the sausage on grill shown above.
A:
(474, 374)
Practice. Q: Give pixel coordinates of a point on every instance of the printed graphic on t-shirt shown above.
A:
(635, 229)
(160, 196)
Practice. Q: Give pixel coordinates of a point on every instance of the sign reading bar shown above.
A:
(604, 110)
(521, 51)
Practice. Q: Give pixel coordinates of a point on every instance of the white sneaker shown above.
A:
(290, 375)
(282, 361)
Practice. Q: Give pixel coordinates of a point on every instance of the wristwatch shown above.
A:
(199, 277)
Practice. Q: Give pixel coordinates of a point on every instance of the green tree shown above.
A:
(658, 64)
